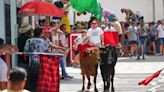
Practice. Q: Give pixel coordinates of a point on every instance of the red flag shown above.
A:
(150, 78)
(111, 38)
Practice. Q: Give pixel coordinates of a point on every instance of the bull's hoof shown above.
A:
(106, 90)
(82, 90)
(96, 90)
(89, 85)
(113, 90)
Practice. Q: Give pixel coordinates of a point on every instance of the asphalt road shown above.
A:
(128, 73)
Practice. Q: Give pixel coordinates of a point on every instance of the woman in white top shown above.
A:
(55, 32)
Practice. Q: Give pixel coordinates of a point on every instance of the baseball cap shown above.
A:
(94, 22)
(46, 30)
(84, 31)
(111, 17)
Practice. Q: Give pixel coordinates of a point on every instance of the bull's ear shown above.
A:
(107, 48)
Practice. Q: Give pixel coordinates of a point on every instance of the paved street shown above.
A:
(128, 73)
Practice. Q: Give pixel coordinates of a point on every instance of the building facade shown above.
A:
(152, 10)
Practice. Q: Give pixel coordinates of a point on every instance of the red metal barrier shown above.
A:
(71, 39)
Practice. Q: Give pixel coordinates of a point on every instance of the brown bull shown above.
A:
(89, 65)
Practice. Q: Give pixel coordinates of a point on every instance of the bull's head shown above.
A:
(106, 54)
(93, 50)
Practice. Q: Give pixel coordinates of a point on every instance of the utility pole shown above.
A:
(14, 31)
(153, 3)
(163, 9)
(2, 18)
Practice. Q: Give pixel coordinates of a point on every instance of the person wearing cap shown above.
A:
(80, 39)
(16, 80)
(46, 37)
(95, 35)
(35, 44)
(25, 33)
(116, 24)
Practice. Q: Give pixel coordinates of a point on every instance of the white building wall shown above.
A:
(145, 7)
(2, 20)
(159, 9)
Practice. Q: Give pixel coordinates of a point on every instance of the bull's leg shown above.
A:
(83, 87)
(105, 86)
(89, 82)
(112, 80)
(95, 79)
(108, 86)
(107, 82)
(103, 77)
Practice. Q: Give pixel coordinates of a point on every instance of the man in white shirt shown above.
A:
(95, 35)
(160, 33)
